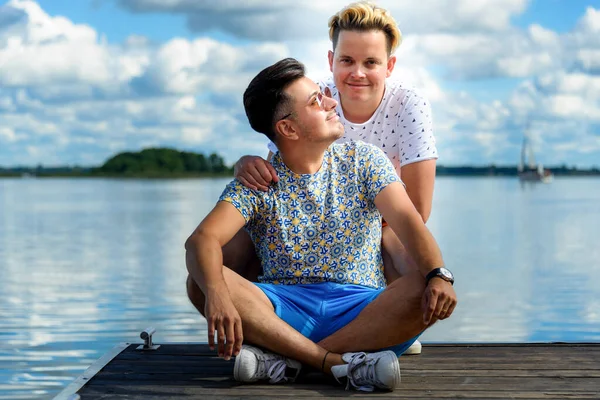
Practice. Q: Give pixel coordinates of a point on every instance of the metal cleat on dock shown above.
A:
(146, 335)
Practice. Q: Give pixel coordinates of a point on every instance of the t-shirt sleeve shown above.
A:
(415, 125)
(272, 148)
(243, 199)
(377, 168)
(323, 83)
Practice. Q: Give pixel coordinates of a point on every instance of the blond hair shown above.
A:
(365, 16)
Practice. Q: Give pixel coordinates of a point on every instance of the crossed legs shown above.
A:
(372, 329)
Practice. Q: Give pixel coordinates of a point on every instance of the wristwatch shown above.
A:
(442, 272)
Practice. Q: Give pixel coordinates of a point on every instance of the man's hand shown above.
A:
(439, 301)
(223, 317)
(255, 173)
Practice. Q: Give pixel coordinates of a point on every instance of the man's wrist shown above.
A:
(216, 288)
(441, 273)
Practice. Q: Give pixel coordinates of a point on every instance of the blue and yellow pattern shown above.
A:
(322, 227)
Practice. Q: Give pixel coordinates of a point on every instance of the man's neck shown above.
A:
(307, 160)
(359, 112)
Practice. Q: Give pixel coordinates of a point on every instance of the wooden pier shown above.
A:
(478, 371)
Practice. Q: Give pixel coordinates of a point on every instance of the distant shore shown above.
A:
(158, 163)
(511, 170)
(91, 175)
(166, 163)
(94, 172)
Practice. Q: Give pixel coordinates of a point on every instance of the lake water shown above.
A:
(88, 263)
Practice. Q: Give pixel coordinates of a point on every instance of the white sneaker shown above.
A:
(254, 364)
(414, 348)
(365, 371)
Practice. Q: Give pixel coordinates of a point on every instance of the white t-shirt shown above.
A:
(401, 126)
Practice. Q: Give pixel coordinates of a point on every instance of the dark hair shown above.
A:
(265, 101)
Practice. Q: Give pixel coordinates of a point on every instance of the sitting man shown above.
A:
(322, 299)
(374, 107)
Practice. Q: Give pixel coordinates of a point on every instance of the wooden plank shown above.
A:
(510, 384)
(298, 391)
(536, 371)
(89, 373)
(200, 368)
(575, 373)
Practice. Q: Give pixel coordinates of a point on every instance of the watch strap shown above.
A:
(437, 272)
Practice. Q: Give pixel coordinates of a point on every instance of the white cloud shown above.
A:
(589, 59)
(45, 48)
(586, 86)
(183, 67)
(475, 55)
(542, 36)
(571, 106)
(562, 95)
(284, 20)
(7, 134)
(590, 22)
(67, 92)
(62, 60)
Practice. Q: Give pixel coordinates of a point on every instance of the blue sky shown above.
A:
(81, 81)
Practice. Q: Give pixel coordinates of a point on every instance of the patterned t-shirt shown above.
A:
(401, 126)
(320, 227)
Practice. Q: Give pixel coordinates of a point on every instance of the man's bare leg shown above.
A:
(239, 252)
(394, 317)
(396, 263)
(262, 327)
(240, 256)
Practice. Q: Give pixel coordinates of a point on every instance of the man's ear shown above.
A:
(390, 66)
(286, 129)
(330, 57)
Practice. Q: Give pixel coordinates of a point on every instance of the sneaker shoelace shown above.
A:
(273, 367)
(361, 373)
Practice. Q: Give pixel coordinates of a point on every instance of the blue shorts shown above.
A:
(317, 310)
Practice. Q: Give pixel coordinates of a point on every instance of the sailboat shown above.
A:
(528, 169)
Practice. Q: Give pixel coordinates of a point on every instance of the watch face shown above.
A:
(446, 272)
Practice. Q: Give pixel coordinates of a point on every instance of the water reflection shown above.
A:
(525, 259)
(86, 264)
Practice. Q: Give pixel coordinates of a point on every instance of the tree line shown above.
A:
(152, 162)
(166, 162)
(163, 161)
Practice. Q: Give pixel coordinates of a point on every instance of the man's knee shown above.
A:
(410, 288)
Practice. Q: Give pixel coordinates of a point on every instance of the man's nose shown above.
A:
(357, 71)
(329, 103)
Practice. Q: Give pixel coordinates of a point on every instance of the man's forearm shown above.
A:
(204, 261)
(421, 245)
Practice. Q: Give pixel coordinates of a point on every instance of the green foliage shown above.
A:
(161, 161)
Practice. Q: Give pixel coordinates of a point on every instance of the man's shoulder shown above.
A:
(402, 89)
(355, 148)
(325, 81)
(237, 189)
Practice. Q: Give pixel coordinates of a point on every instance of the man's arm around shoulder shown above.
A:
(399, 212)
